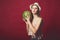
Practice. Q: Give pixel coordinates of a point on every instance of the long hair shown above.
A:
(38, 14)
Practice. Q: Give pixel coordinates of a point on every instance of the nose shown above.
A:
(34, 10)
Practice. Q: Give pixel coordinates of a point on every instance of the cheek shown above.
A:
(35, 10)
(32, 10)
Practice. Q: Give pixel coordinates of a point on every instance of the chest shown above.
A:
(34, 22)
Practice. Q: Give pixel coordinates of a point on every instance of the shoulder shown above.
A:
(40, 20)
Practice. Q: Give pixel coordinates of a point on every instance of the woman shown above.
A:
(33, 22)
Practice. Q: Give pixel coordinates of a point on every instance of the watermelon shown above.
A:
(26, 14)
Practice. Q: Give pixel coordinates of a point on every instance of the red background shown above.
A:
(12, 26)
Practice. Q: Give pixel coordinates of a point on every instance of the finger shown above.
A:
(23, 19)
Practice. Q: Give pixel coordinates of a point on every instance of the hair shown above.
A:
(38, 14)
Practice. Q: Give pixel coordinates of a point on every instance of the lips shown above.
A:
(33, 10)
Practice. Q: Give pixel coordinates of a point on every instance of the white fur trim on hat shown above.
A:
(35, 4)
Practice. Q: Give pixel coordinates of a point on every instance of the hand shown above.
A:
(28, 18)
(24, 20)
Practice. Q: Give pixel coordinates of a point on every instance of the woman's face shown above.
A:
(34, 9)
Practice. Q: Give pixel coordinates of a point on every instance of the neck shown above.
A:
(35, 16)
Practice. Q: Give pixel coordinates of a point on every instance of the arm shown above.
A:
(27, 27)
(26, 24)
(33, 28)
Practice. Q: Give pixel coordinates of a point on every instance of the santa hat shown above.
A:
(36, 5)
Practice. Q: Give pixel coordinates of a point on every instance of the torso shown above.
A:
(34, 22)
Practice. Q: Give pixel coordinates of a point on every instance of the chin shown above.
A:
(33, 12)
